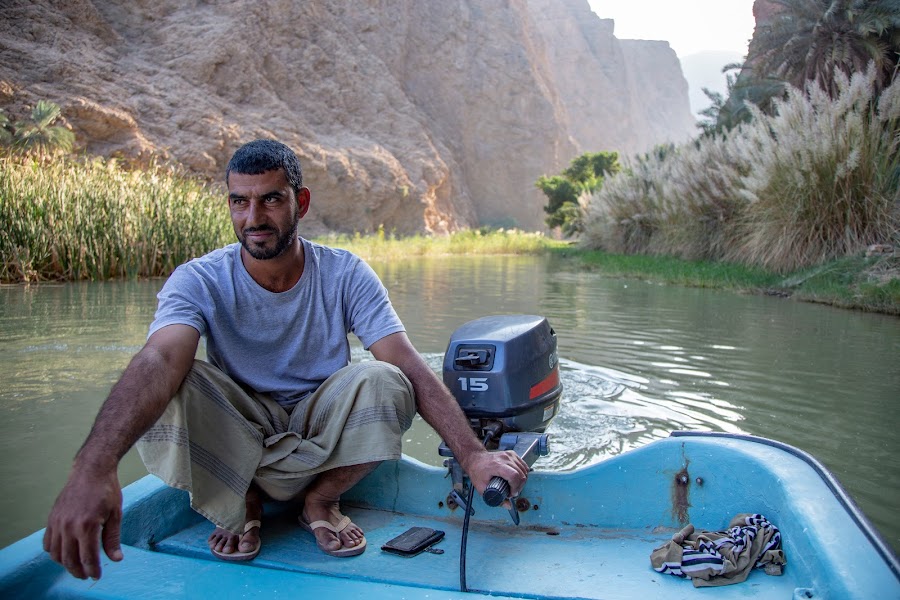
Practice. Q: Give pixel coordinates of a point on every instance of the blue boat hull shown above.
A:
(583, 534)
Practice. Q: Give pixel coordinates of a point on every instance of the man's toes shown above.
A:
(248, 543)
(352, 536)
(331, 542)
(226, 545)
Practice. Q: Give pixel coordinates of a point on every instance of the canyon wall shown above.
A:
(418, 116)
(619, 95)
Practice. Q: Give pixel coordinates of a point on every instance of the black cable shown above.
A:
(465, 530)
(465, 535)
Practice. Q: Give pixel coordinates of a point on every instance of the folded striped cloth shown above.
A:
(712, 558)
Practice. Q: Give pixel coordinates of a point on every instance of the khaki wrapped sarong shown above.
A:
(215, 437)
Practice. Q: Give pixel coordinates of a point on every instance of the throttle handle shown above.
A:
(496, 492)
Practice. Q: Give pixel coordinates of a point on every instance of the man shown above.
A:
(278, 410)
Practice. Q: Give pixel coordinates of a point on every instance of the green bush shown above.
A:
(561, 193)
(564, 192)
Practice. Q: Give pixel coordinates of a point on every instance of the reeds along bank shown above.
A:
(72, 218)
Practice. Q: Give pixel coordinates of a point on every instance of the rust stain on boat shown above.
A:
(681, 486)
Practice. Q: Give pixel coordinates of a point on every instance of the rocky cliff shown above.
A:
(622, 95)
(421, 116)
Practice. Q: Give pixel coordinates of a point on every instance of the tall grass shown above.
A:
(679, 203)
(70, 218)
(818, 180)
(825, 181)
(383, 245)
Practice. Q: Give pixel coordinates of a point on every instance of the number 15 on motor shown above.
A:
(473, 384)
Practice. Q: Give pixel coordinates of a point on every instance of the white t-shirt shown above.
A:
(282, 344)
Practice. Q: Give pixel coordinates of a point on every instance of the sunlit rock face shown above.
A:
(416, 116)
(621, 95)
(765, 10)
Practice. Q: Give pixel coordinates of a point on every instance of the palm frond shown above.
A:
(40, 135)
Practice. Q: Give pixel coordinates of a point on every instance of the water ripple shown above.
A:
(603, 412)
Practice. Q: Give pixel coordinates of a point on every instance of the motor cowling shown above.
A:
(505, 369)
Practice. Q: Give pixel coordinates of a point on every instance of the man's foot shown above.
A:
(222, 542)
(335, 533)
(228, 546)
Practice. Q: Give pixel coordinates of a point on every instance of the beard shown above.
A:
(282, 243)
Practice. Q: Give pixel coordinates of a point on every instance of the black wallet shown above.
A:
(413, 541)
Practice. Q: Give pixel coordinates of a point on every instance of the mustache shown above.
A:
(259, 229)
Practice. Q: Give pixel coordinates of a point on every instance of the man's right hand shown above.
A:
(88, 510)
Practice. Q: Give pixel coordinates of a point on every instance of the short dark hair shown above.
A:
(260, 156)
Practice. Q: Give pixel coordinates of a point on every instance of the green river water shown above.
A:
(639, 360)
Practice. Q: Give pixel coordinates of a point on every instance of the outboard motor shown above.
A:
(504, 372)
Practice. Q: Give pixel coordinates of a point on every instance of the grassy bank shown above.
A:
(74, 219)
(385, 246)
(857, 282)
(869, 284)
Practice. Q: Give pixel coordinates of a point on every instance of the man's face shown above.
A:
(265, 211)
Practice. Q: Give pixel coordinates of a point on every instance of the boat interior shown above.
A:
(587, 533)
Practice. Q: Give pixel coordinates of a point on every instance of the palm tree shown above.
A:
(40, 134)
(811, 40)
(728, 111)
(6, 134)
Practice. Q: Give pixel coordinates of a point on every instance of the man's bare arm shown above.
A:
(140, 396)
(89, 508)
(440, 410)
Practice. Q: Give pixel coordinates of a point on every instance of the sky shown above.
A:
(720, 29)
(690, 26)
